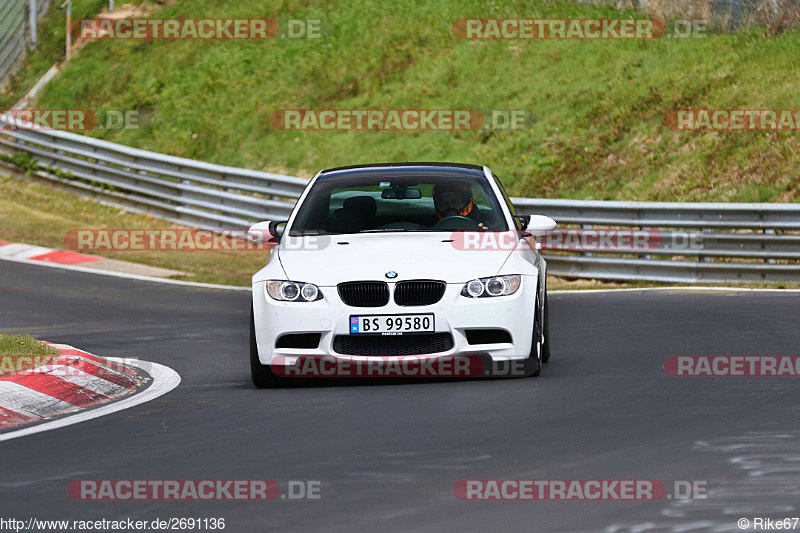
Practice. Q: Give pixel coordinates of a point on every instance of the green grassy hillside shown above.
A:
(599, 105)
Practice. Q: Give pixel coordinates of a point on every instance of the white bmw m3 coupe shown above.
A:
(397, 260)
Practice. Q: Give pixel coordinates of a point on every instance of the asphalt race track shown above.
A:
(388, 454)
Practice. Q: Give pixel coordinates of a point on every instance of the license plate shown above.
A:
(391, 324)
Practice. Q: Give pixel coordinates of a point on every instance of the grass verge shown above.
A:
(22, 352)
(37, 214)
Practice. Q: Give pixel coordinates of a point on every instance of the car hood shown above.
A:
(328, 260)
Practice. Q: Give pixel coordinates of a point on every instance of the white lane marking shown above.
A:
(23, 251)
(74, 375)
(15, 397)
(164, 380)
(124, 274)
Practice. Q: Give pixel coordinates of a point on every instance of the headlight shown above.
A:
(293, 291)
(488, 287)
(474, 288)
(309, 292)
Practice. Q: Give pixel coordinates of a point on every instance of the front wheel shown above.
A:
(546, 341)
(263, 376)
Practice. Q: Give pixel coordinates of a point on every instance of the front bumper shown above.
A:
(454, 314)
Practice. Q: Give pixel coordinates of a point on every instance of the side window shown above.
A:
(511, 207)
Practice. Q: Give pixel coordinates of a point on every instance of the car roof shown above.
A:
(416, 167)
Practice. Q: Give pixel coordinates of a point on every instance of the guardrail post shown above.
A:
(646, 256)
(705, 258)
(586, 226)
(33, 20)
(68, 5)
(769, 232)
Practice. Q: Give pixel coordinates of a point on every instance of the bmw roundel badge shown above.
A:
(391, 274)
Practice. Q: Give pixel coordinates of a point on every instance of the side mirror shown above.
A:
(541, 223)
(536, 225)
(265, 231)
(524, 220)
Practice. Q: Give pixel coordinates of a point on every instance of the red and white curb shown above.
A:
(17, 251)
(38, 253)
(72, 384)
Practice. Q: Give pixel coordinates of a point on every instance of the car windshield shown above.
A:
(398, 201)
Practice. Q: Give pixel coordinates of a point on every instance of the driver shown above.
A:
(455, 200)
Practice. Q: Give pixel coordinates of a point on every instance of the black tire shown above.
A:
(546, 345)
(263, 376)
(533, 364)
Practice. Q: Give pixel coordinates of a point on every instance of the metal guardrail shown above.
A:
(182, 190)
(730, 242)
(736, 242)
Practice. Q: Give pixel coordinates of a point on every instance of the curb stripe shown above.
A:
(57, 388)
(64, 257)
(68, 259)
(164, 380)
(77, 377)
(65, 386)
(23, 251)
(13, 418)
(40, 253)
(94, 359)
(90, 368)
(24, 400)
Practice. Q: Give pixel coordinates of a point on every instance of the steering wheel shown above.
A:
(455, 222)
